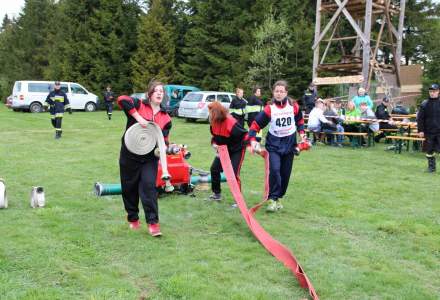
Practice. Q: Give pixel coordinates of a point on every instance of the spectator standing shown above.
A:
(428, 124)
(109, 97)
(238, 106)
(362, 97)
(309, 98)
(254, 106)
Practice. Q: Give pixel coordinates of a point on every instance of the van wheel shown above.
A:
(35, 107)
(90, 106)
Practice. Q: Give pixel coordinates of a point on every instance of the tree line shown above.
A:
(212, 44)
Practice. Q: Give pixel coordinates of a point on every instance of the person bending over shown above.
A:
(225, 130)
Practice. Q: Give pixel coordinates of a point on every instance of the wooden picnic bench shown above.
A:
(356, 136)
(400, 139)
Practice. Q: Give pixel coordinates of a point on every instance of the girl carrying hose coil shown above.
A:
(138, 172)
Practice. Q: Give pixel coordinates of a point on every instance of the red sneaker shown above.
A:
(154, 229)
(135, 225)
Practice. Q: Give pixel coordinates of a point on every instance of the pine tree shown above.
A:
(95, 43)
(154, 58)
(33, 25)
(216, 44)
(272, 39)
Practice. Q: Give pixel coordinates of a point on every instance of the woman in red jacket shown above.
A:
(225, 130)
(139, 172)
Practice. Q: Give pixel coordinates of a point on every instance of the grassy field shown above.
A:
(364, 224)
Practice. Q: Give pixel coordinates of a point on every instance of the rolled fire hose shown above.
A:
(106, 189)
(140, 141)
(3, 196)
(37, 197)
(274, 247)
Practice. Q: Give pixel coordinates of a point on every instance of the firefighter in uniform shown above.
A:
(225, 130)
(285, 119)
(139, 172)
(109, 97)
(57, 102)
(428, 125)
(253, 107)
(238, 106)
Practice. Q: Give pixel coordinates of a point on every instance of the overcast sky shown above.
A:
(10, 7)
(13, 7)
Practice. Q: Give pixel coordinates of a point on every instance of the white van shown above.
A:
(31, 95)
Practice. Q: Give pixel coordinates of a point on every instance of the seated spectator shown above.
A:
(339, 109)
(382, 114)
(367, 113)
(351, 114)
(336, 124)
(362, 97)
(316, 119)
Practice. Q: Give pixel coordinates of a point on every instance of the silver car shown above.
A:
(195, 104)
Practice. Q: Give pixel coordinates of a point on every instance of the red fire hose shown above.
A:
(281, 252)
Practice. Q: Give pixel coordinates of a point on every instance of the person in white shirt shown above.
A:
(316, 118)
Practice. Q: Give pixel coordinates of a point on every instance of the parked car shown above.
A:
(195, 104)
(174, 94)
(139, 96)
(31, 95)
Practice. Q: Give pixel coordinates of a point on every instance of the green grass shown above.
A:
(364, 223)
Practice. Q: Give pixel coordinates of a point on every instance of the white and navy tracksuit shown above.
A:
(284, 120)
(139, 172)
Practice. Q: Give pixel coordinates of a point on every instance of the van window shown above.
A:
(38, 87)
(63, 87)
(223, 98)
(17, 87)
(193, 97)
(76, 89)
(210, 98)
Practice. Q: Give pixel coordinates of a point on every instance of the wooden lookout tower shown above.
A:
(356, 40)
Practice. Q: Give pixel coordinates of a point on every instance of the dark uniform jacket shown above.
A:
(230, 133)
(308, 100)
(428, 117)
(130, 106)
(238, 109)
(57, 102)
(382, 112)
(109, 96)
(253, 107)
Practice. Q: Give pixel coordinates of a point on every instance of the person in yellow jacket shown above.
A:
(238, 106)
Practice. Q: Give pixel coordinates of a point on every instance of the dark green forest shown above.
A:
(212, 44)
